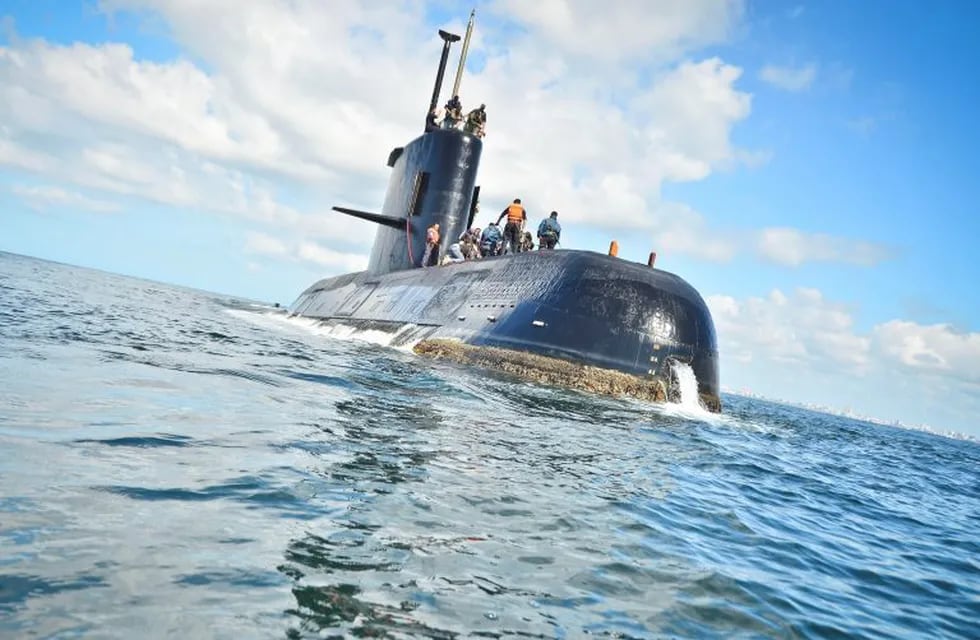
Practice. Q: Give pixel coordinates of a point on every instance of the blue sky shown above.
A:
(808, 167)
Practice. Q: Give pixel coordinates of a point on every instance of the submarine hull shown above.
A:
(578, 306)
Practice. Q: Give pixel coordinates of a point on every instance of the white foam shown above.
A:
(690, 407)
(687, 384)
(401, 339)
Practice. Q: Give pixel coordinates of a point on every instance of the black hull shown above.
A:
(578, 306)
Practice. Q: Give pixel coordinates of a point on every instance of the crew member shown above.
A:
(431, 242)
(454, 113)
(430, 121)
(470, 243)
(516, 216)
(490, 240)
(476, 121)
(549, 232)
(527, 241)
(455, 254)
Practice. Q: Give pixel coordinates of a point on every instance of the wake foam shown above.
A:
(404, 338)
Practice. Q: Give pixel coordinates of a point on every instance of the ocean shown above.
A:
(177, 463)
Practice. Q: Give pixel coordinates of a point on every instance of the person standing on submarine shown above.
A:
(549, 232)
(454, 113)
(516, 217)
(431, 242)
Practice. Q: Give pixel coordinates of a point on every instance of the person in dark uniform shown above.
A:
(454, 113)
(430, 121)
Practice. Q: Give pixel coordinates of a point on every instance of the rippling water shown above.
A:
(178, 463)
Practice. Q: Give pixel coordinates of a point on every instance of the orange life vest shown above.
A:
(515, 213)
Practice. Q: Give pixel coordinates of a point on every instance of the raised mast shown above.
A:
(447, 39)
(462, 56)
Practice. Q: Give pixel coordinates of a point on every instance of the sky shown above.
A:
(809, 167)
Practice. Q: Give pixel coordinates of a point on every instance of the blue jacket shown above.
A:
(549, 226)
(491, 234)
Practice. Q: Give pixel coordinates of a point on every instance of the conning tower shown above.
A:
(433, 180)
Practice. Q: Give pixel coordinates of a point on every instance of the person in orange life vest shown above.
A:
(431, 242)
(516, 216)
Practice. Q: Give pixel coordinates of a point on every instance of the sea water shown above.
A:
(175, 463)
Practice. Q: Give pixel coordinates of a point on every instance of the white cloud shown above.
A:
(262, 244)
(626, 29)
(789, 78)
(934, 348)
(792, 247)
(298, 94)
(683, 230)
(801, 329)
(802, 346)
(297, 98)
(312, 252)
(46, 196)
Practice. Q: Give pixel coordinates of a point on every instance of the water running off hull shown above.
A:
(553, 371)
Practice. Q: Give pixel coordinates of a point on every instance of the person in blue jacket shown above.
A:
(549, 232)
(491, 241)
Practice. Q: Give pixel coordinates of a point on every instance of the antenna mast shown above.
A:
(447, 39)
(462, 56)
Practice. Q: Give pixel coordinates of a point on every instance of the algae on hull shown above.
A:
(546, 370)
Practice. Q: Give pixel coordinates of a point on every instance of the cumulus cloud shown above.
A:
(292, 94)
(792, 247)
(805, 328)
(802, 328)
(44, 197)
(312, 252)
(936, 348)
(683, 230)
(802, 345)
(296, 98)
(263, 244)
(789, 78)
(627, 29)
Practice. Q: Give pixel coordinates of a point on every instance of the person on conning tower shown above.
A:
(454, 113)
(516, 216)
(430, 121)
(476, 121)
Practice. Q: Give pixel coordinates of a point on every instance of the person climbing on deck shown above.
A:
(491, 240)
(549, 232)
(527, 242)
(454, 254)
(470, 244)
(516, 216)
(431, 243)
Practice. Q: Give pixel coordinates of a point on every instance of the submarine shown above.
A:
(574, 317)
